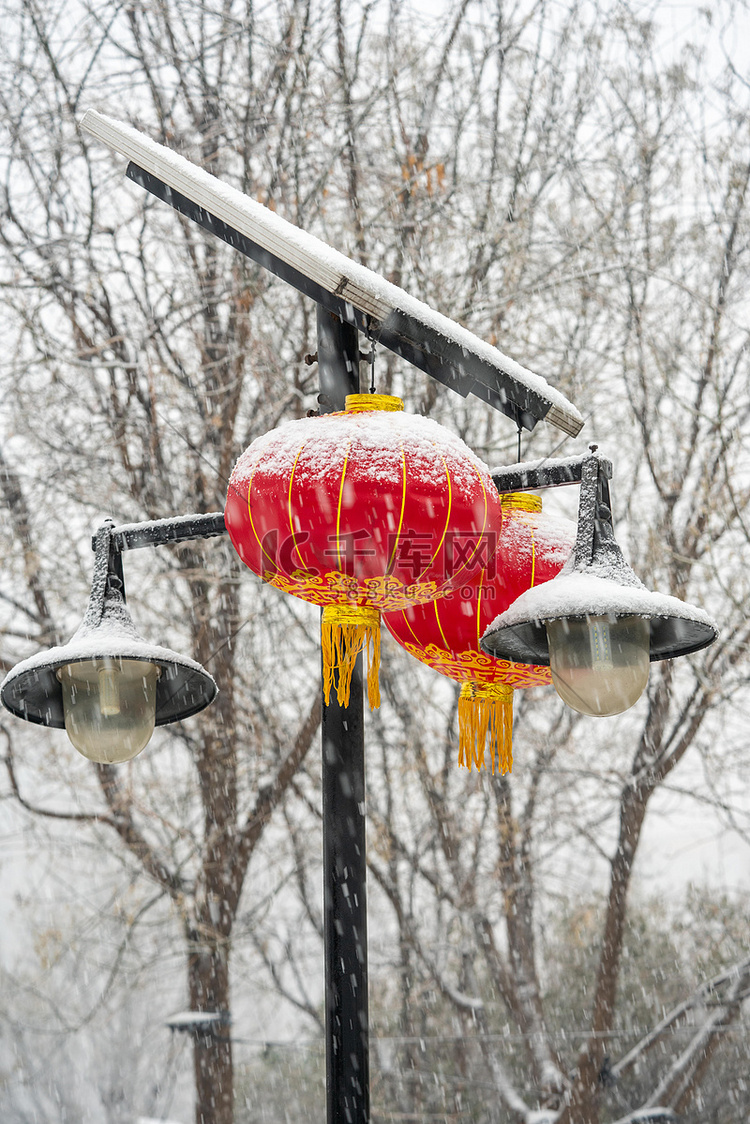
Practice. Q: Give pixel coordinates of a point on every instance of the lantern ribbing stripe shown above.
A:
(407, 622)
(338, 509)
(437, 618)
(447, 516)
(250, 515)
(289, 505)
(480, 538)
(403, 508)
(523, 501)
(478, 618)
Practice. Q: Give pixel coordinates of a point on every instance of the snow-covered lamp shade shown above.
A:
(107, 687)
(596, 625)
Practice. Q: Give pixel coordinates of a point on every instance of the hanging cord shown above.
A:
(371, 356)
(519, 442)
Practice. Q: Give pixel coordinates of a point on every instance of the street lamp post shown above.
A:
(350, 300)
(344, 848)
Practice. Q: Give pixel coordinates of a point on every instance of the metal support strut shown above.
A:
(344, 856)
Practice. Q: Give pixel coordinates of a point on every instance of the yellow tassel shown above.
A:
(346, 630)
(485, 708)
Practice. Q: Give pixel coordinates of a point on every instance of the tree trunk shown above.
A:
(208, 986)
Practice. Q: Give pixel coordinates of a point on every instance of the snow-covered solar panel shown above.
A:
(424, 337)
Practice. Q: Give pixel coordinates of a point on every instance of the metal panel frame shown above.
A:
(427, 339)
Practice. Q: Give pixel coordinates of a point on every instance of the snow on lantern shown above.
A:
(362, 512)
(531, 549)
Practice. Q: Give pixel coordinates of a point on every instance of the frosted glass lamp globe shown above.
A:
(599, 665)
(109, 706)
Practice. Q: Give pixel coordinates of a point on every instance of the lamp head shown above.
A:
(107, 687)
(595, 624)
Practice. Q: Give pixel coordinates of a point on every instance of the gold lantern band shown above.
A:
(520, 501)
(360, 403)
(485, 708)
(345, 631)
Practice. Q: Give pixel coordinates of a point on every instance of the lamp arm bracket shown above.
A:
(593, 472)
(530, 475)
(589, 502)
(160, 532)
(105, 569)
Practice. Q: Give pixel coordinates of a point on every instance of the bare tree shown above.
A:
(132, 338)
(542, 176)
(626, 205)
(669, 294)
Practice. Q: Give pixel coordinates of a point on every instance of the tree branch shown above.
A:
(15, 501)
(678, 1084)
(49, 813)
(270, 797)
(699, 995)
(122, 821)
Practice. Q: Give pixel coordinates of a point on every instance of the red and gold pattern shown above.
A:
(387, 595)
(445, 634)
(476, 667)
(361, 512)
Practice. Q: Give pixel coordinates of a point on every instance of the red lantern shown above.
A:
(362, 512)
(445, 635)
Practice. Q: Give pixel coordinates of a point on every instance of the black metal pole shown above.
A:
(344, 856)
